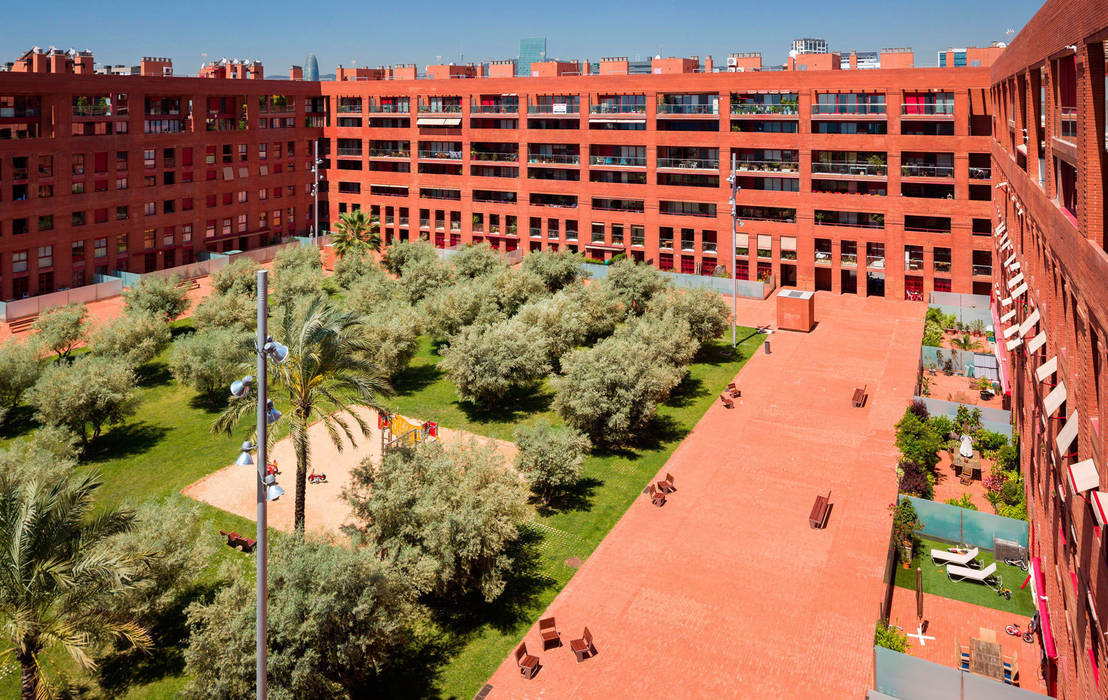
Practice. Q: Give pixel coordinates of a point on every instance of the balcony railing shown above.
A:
(823, 257)
(495, 156)
(553, 158)
(388, 153)
(788, 255)
(855, 224)
(941, 266)
(621, 161)
(849, 259)
(536, 233)
(981, 173)
(439, 109)
(927, 170)
(13, 113)
(350, 152)
(873, 108)
(877, 262)
(708, 247)
(666, 108)
(609, 108)
(1067, 122)
(913, 264)
(440, 155)
(494, 109)
(388, 109)
(927, 108)
(689, 163)
(850, 168)
(768, 166)
(559, 108)
(757, 109)
(92, 111)
(982, 270)
(350, 109)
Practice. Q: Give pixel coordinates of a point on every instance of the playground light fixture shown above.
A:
(244, 459)
(272, 415)
(240, 388)
(275, 351)
(273, 491)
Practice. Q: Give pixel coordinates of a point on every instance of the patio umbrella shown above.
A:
(966, 448)
(919, 593)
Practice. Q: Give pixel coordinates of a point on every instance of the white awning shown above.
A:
(438, 121)
(1035, 343)
(1018, 291)
(1013, 344)
(616, 121)
(1099, 501)
(1010, 331)
(1067, 434)
(1013, 267)
(1003, 239)
(1015, 281)
(1029, 322)
(1047, 368)
(1054, 399)
(1084, 476)
(1006, 245)
(1006, 301)
(1000, 228)
(1010, 259)
(1008, 316)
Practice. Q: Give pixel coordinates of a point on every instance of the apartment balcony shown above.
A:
(823, 257)
(619, 161)
(92, 111)
(350, 152)
(388, 153)
(494, 156)
(501, 108)
(19, 112)
(927, 109)
(981, 173)
(553, 159)
(707, 247)
(764, 110)
(788, 255)
(982, 270)
(439, 155)
(440, 109)
(849, 110)
(1067, 123)
(875, 262)
(923, 170)
(942, 266)
(350, 109)
(556, 109)
(848, 259)
(390, 109)
(767, 166)
(612, 108)
(688, 163)
(699, 110)
(913, 264)
(850, 169)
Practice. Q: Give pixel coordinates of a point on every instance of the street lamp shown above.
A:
(267, 350)
(316, 162)
(733, 180)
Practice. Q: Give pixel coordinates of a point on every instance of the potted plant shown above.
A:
(948, 367)
(905, 525)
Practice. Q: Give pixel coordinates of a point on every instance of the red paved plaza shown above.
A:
(725, 591)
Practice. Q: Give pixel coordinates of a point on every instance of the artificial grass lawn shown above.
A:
(936, 582)
(168, 445)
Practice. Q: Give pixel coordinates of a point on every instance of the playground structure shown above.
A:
(397, 430)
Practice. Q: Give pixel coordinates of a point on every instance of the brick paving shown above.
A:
(725, 591)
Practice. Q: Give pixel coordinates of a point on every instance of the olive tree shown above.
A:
(210, 359)
(559, 319)
(704, 310)
(401, 254)
(486, 362)
(635, 283)
(338, 616)
(556, 270)
(236, 310)
(667, 337)
(296, 281)
(135, 338)
(602, 306)
(303, 258)
(370, 291)
(47, 453)
(350, 268)
(159, 296)
(477, 260)
(420, 279)
(238, 277)
(392, 336)
(446, 516)
(62, 328)
(612, 390)
(468, 302)
(550, 457)
(19, 370)
(514, 288)
(92, 392)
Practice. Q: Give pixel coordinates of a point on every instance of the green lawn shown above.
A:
(167, 446)
(936, 582)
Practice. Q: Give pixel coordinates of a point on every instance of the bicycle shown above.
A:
(1018, 563)
(1014, 630)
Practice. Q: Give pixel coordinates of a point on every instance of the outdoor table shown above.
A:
(985, 658)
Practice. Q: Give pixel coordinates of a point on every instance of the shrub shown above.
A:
(919, 408)
(942, 425)
(296, 281)
(556, 270)
(914, 481)
(158, 296)
(298, 258)
(422, 279)
(968, 420)
(514, 288)
(92, 392)
(559, 320)
(1008, 458)
(668, 337)
(446, 516)
(19, 370)
(454, 307)
(400, 255)
(209, 360)
(917, 440)
(486, 362)
(602, 308)
(392, 335)
(477, 260)
(135, 338)
(372, 290)
(636, 284)
(549, 457)
(351, 268)
(62, 328)
(234, 310)
(890, 638)
(238, 277)
(964, 502)
(988, 441)
(704, 311)
(932, 334)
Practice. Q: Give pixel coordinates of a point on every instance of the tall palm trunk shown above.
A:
(29, 678)
(300, 446)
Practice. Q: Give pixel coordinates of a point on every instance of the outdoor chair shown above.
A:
(961, 573)
(859, 397)
(726, 401)
(657, 497)
(583, 648)
(548, 630)
(528, 664)
(733, 391)
(666, 486)
(940, 557)
(963, 658)
(1011, 670)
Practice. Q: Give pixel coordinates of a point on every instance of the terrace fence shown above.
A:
(994, 419)
(967, 308)
(905, 677)
(964, 526)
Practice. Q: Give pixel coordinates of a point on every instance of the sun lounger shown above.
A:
(941, 556)
(962, 573)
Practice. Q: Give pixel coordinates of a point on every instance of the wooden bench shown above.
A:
(859, 397)
(237, 541)
(22, 324)
(733, 391)
(726, 401)
(189, 284)
(820, 509)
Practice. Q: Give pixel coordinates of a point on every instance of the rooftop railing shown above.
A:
(871, 169)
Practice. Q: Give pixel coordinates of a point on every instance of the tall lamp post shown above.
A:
(316, 162)
(733, 179)
(267, 489)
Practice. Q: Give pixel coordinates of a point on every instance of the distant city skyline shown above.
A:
(344, 34)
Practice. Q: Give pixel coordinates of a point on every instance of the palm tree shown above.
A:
(966, 342)
(355, 233)
(58, 577)
(328, 365)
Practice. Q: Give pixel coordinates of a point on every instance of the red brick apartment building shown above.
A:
(100, 173)
(859, 182)
(1049, 163)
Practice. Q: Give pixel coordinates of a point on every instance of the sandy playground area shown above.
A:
(232, 488)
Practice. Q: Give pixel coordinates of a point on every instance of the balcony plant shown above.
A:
(905, 525)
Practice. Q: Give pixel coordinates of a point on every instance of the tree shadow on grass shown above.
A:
(415, 669)
(211, 403)
(576, 497)
(129, 667)
(176, 331)
(516, 406)
(416, 378)
(687, 392)
(153, 373)
(125, 441)
(517, 604)
(659, 431)
(19, 421)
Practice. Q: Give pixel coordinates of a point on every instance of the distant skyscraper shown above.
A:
(311, 68)
(530, 51)
(808, 45)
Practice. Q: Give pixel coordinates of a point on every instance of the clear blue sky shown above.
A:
(281, 33)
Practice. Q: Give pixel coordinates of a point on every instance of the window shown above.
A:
(226, 227)
(77, 251)
(121, 213)
(77, 218)
(100, 248)
(242, 196)
(45, 256)
(186, 233)
(46, 222)
(665, 237)
(19, 261)
(121, 244)
(149, 208)
(242, 223)
(148, 235)
(148, 158)
(121, 183)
